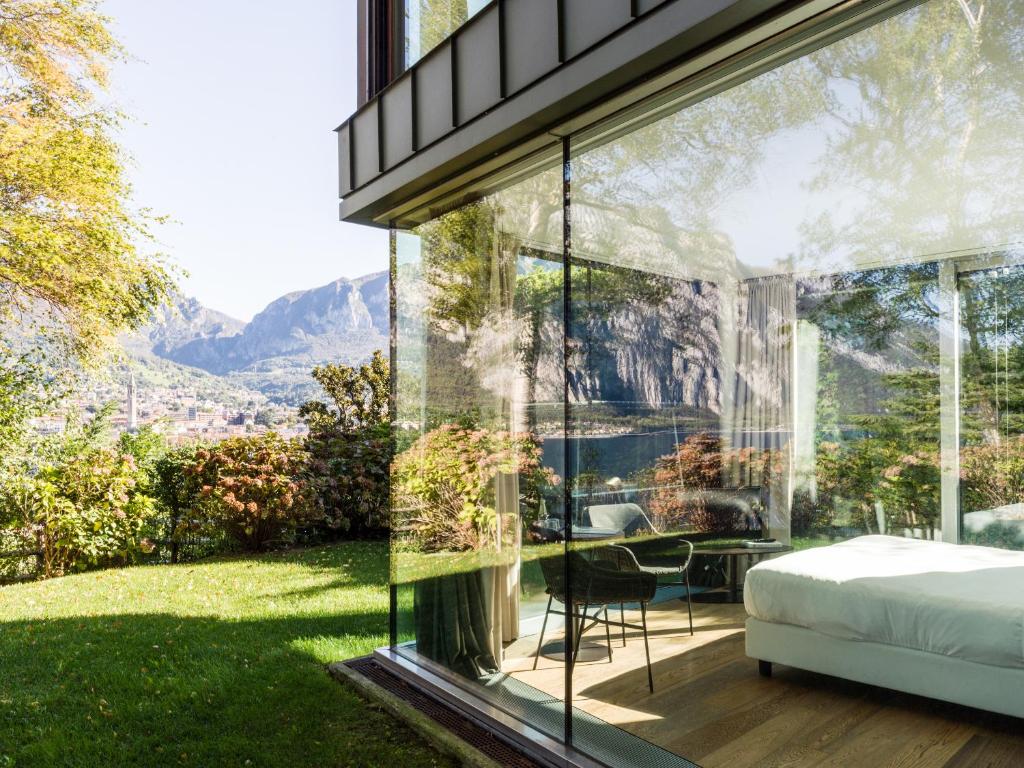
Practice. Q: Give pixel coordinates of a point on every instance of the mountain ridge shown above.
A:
(343, 321)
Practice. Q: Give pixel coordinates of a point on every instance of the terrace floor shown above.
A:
(711, 706)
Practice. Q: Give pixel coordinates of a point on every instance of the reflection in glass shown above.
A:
(766, 309)
(992, 402)
(478, 354)
(793, 315)
(873, 399)
(802, 220)
(428, 23)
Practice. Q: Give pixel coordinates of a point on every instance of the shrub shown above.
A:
(349, 470)
(181, 527)
(349, 446)
(699, 464)
(82, 512)
(255, 489)
(445, 485)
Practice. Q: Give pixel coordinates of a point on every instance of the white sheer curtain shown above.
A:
(762, 401)
(501, 582)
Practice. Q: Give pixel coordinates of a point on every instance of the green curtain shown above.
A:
(453, 625)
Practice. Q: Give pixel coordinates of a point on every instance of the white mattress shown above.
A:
(955, 600)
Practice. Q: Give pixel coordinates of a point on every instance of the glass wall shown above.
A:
(992, 411)
(787, 312)
(801, 240)
(475, 480)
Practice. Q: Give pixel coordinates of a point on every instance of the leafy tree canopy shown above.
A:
(69, 259)
(359, 396)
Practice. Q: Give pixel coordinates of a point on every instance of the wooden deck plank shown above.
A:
(989, 751)
(711, 706)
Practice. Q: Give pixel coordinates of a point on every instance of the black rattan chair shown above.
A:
(631, 519)
(600, 577)
(671, 567)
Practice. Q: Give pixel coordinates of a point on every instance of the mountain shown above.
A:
(180, 324)
(343, 321)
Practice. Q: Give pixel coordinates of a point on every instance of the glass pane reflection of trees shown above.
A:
(992, 406)
(795, 312)
(792, 369)
(479, 338)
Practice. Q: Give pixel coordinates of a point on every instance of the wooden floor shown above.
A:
(711, 706)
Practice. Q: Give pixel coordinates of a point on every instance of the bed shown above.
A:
(929, 618)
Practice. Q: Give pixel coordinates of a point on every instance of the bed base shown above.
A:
(996, 689)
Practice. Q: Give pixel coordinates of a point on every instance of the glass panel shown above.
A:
(867, 442)
(992, 398)
(428, 23)
(763, 335)
(784, 330)
(477, 478)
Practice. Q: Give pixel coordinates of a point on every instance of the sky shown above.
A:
(233, 105)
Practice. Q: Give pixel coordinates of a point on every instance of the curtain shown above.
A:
(503, 580)
(452, 623)
(762, 403)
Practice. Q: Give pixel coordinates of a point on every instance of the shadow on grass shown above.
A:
(163, 689)
(361, 563)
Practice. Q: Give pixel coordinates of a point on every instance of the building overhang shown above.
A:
(520, 75)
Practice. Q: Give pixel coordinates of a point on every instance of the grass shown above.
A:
(219, 663)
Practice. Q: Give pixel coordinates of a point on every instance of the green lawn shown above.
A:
(219, 663)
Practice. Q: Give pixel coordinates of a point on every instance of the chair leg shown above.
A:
(608, 633)
(622, 620)
(647, 650)
(689, 605)
(543, 626)
(579, 634)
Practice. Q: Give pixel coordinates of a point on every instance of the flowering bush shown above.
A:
(445, 485)
(698, 464)
(83, 511)
(255, 489)
(349, 469)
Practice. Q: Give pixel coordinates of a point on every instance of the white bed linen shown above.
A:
(955, 600)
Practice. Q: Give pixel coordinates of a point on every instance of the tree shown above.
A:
(69, 260)
(349, 445)
(359, 396)
(146, 446)
(24, 392)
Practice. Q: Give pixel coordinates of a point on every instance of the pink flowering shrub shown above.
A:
(446, 491)
(702, 463)
(253, 489)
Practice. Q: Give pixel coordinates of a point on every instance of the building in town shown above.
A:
(131, 405)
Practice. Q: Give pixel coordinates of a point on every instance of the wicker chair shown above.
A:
(631, 519)
(603, 576)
